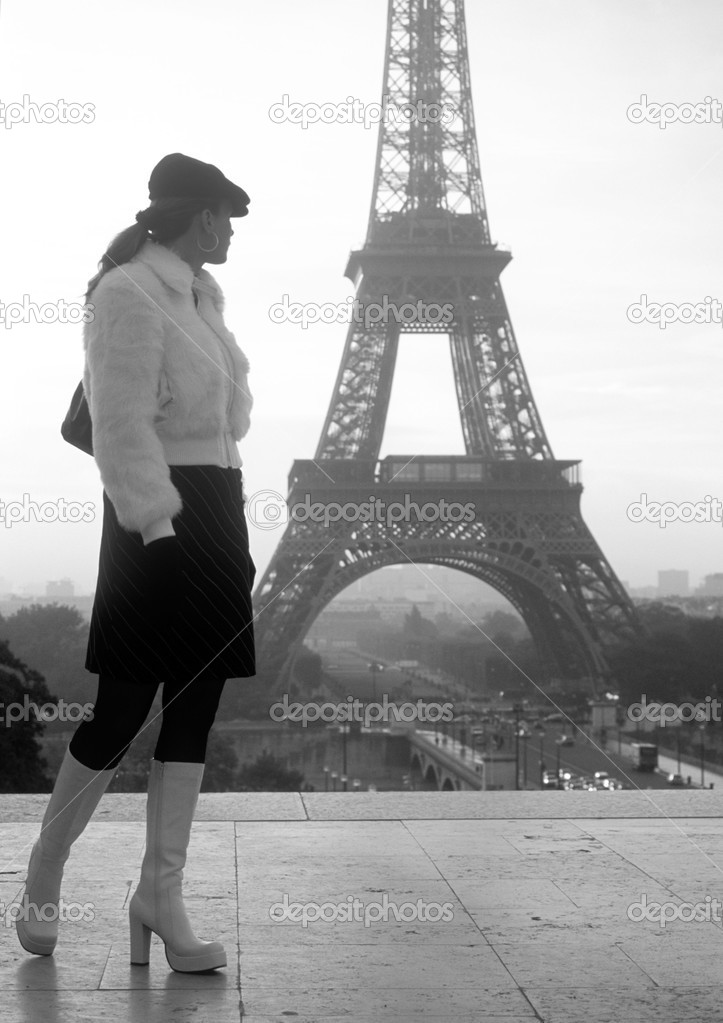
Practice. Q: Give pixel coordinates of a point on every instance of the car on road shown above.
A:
(676, 780)
(550, 780)
(565, 740)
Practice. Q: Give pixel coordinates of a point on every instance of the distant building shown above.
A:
(340, 621)
(712, 586)
(673, 583)
(60, 588)
(425, 583)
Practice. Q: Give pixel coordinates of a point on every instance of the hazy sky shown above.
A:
(596, 209)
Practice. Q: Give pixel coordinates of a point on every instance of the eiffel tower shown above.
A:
(428, 242)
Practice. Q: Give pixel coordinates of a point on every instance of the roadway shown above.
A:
(585, 757)
(350, 670)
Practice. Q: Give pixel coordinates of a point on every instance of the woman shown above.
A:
(167, 389)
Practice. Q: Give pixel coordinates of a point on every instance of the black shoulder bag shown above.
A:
(77, 427)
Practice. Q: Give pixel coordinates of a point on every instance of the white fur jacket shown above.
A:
(153, 373)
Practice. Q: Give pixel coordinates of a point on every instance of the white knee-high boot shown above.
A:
(75, 796)
(157, 904)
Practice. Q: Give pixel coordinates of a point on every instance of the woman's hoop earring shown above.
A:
(213, 248)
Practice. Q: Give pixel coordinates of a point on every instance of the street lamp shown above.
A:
(517, 710)
(343, 744)
(542, 757)
(374, 668)
(334, 776)
(326, 779)
(463, 738)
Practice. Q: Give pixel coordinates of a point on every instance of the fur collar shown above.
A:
(176, 273)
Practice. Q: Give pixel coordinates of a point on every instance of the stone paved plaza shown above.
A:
(534, 891)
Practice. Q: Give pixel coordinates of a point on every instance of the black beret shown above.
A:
(182, 176)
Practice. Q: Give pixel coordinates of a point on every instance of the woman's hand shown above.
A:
(164, 579)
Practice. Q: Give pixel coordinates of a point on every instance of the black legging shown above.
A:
(121, 708)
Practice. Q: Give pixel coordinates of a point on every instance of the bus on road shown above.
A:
(645, 755)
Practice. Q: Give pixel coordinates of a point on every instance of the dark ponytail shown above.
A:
(162, 221)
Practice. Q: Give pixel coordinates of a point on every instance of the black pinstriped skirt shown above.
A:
(212, 632)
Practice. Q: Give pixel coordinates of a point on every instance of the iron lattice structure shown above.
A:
(428, 242)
